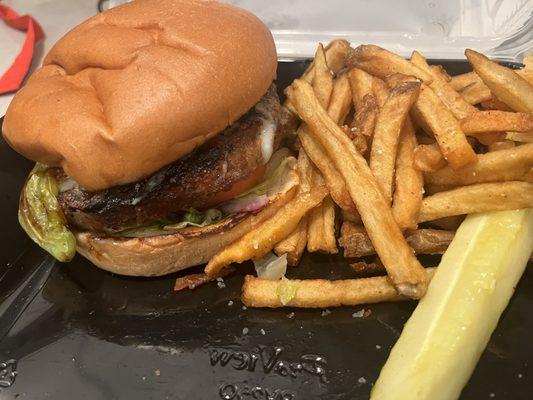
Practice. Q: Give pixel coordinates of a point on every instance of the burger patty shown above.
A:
(191, 181)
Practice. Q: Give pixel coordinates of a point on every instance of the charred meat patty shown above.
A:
(192, 181)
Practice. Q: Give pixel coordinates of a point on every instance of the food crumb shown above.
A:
(157, 372)
(245, 331)
(262, 331)
(244, 308)
(358, 314)
(367, 313)
(143, 378)
(325, 313)
(361, 380)
(378, 347)
(220, 283)
(230, 303)
(290, 315)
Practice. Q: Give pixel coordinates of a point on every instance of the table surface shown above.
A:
(55, 16)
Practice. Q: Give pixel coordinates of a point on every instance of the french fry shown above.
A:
(494, 104)
(451, 98)
(446, 129)
(294, 244)
(320, 293)
(365, 117)
(409, 188)
(380, 90)
(527, 74)
(428, 158)
(438, 70)
(356, 243)
(336, 51)
(365, 268)
(460, 82)
(459, 107)
(256, 243)
(321, 232)
(192, 281)
(477, 198)
(449, 223)
(490, 121)
(524, 137)
(389, 124)
(322, 79)
(381, 63)
(497, 166)
(528, 177)
(476, 93)
(504, 145)
(503, 82)
(361, 85)
(338, 108)
(355, 218)
(402, 266)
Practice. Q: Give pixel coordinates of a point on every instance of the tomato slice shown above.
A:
(238, 187)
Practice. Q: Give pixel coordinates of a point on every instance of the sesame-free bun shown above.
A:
(139, 86)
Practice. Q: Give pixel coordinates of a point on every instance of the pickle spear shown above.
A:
(442, 341)
(41, 215)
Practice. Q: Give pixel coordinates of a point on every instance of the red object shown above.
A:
(12, 78)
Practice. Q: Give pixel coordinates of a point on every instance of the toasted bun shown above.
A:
(139, 86)
(160, 255)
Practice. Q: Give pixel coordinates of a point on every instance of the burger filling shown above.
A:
(232, 173)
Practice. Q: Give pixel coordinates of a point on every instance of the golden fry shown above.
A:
(409, 188)
(294, 244)
(381, 63)
(380, 90)
(524, 137)
(336, 51)
(497, 166)
(446, 129)
(256, 243)
(476, 93)
(494, 104)
(428, 158)
(460, 82)
(389, 124)
(477, 198)
(321, 232)
(365, 117)
(320, 293)
(361, 85)
(402, 266)
(504, 145)
(490, 121)
(506, 84)
(322, 79)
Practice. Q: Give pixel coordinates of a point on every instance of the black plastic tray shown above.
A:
(89, 334)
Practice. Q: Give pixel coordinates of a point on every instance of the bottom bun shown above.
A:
(164, 254)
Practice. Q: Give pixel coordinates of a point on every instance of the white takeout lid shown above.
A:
(439, 29)
(442, 29)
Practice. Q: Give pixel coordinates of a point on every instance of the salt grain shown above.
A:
(157, 372)
(290, 315)
(358, 314)
(492, 395)
(245, 331)
(244, 308)
(361, 380)
(520, 376)
(230, 303)
(325, 313)
(262, 331)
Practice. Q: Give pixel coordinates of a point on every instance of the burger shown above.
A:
(157, 134)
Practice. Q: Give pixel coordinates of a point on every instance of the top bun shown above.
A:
(139, 86)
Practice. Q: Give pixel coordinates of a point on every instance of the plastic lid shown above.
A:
(502, 29)
(438, 29)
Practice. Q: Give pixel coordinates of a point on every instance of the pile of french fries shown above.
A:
(400, 152)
